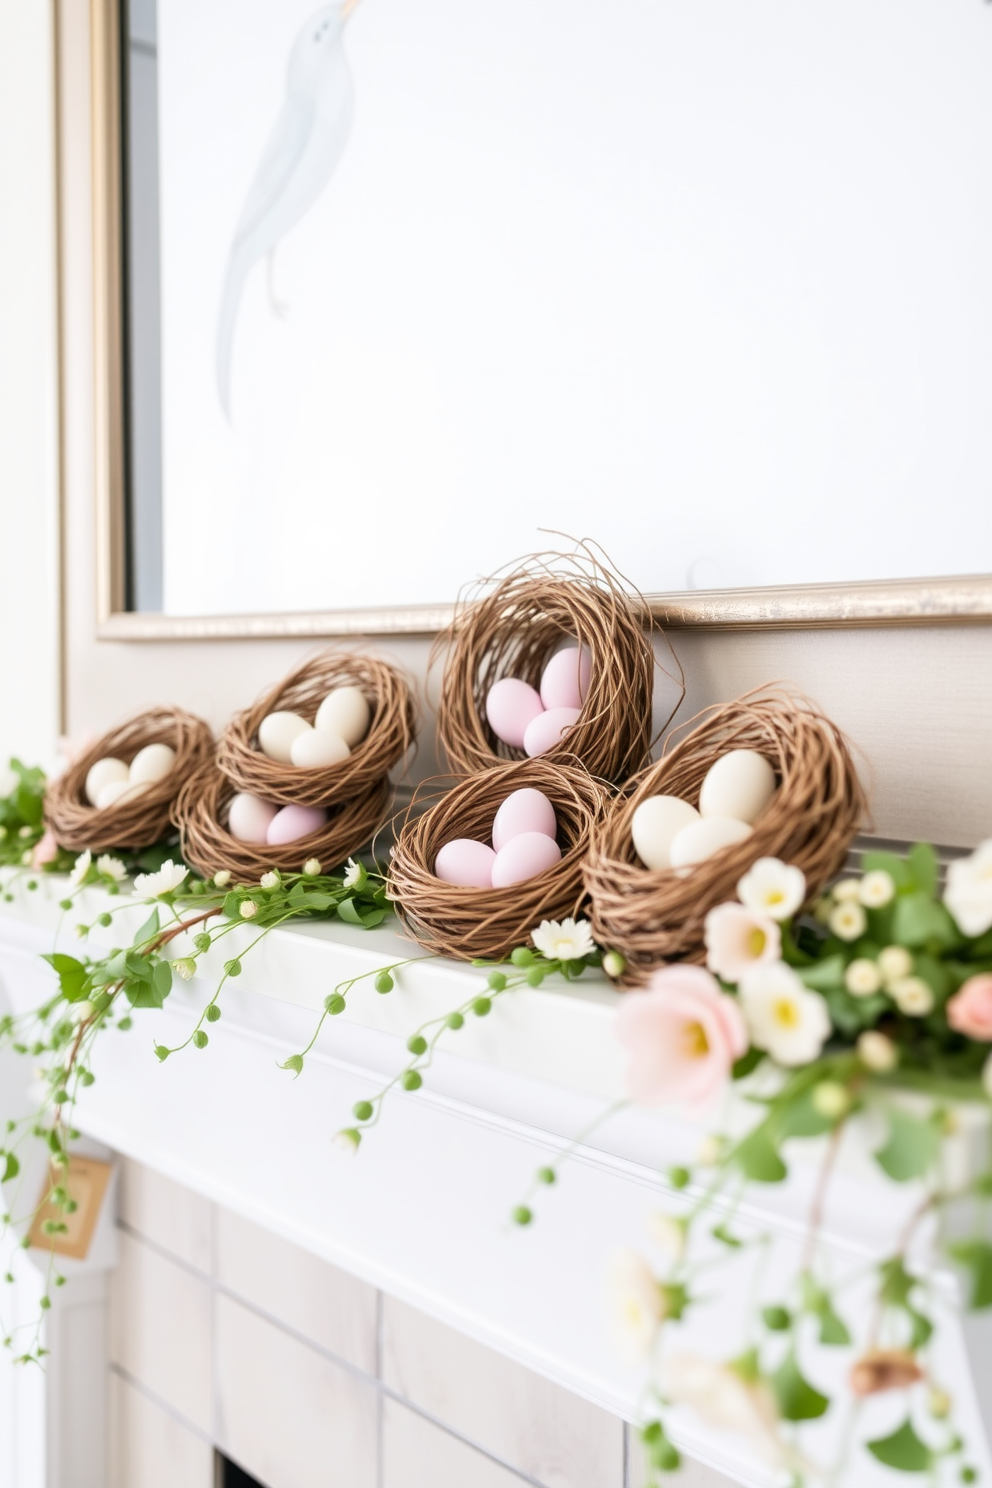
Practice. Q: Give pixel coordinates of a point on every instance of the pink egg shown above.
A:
(526, 810)
(293, 822)
(524, 857)
(510, 707)
(249, 819)
(565, 681)
(465, 863)
(544, 732)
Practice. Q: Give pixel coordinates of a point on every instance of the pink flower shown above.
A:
(46, 850)
(684, 1035)
(737, 939)
(969, 1011)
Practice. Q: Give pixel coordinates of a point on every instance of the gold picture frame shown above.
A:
(86, 1179)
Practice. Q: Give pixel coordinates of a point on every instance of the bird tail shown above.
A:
(234, 282)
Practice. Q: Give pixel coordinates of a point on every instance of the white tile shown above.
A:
(286, 1414)
(524, 1420)
(690, 1475)
(150, 1448)
(160, 1329)
(418, 1454)
(172, 1216)
(316, 1299)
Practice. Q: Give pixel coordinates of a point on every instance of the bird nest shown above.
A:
(512, 630)
(655, 916)
(207, 845)
(391, 732)
(146, 818)
(487, 923)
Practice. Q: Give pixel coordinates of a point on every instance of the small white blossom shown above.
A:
(80, 868)
(772, 888)
(894, 962)
(877, 1052)
(668, 1234)
(862, 977)
(348, 1141)
(81, 931)
(25, 832)
(912, 996)
(969, 891)
(354, 875)
(848, 920)
(111, 867)
(564, 940)
(247, 909)
(168, 878)
(185, 967)
(637, 1308)
(783, 1017)
(222, 879)
(710, 1151)
(877, 889)
(26, 858)
(847, 891)
(614, 965)
(9, 782)
(312, 868)
(270, 880)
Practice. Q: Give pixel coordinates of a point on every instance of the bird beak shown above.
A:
(348, 7)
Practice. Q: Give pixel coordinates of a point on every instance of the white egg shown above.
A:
(655, 824)
(116, 792)
(704, 837)
(104, 772)
(740, 785)
(315, 748)
(249, 819)
(345, 712)
(276, 733)
(152, 763)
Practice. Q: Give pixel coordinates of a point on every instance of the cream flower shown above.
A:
(270, 880)
(312, 868)
(247, 909)
(969, 891)
(737, 938)
(185, 967)
(9, 782)
(724, 1399)
(783, 1017)
(169, 877)
(354, 875)
(877, 1052)
(772, 888)
(564, 940)
(848, 920)
(894, 962)
(711, 1150)
(862, 977)
(912, 996)
(223, 878)
(111, 867)
(876, 889)
(637, 1307)
(847, 891)
(80, 868)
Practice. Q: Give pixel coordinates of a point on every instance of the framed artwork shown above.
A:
(86, 1180)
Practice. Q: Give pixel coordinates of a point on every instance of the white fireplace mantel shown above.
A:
(422, 1212)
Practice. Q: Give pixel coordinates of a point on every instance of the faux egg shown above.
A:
(116, 792)
(292, 822)
(465, 863)
(526, 810)
(152, 763)
(345, 712)
(565, 680)
(510, 706)
(524, 857)
(316, 748)
(103, 773)
(249, 819)
(276, 733)
(704, 837)
(740, 785)
(654, 825)
(548, 729)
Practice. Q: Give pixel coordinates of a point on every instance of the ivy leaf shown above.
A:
(824, 976)
(897, 1284)
(143, 994)
(354, 914)
(757, 1158)
(921, 1328)
(833, 1330)
(918, 921)
(797, 1398)
(976, 1256)
(747, 1063)
(911, 1149)
(922, 863)
(800, 1118)
(149, 929)
(903, 1450)
(162, 978)
(11, 1168)
(72, 975)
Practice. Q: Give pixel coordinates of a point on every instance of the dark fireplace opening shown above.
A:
(228, 1474)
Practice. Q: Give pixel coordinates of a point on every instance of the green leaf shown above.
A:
(897, 1284)
(833, 1330)
(897, 868)
(919, 921)
(757, 1158)
(976, 1256)
(911, 1149)
(797, 1398)
(747, 1063)
(143, 994)
(800, 1118)
(162, 978)
(72, 974)
(348, 911)
(149, 929)
(922, 863)
(903, 1450)
(824, 975)
(921, 1329)
(11, 1168)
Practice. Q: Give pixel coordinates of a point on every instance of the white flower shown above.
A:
(969, 891)
(270, 880)
(185, 967)
(637, 1308)
(168, 878)
(564, 940)
(668, 1234)
(312, 868)
(247, 909)
(80, 868)
(876, 889)
(848, 920)
(9, 782)
(348, 1141)
(111, 867)
(847, 891)
(862, 977)
(222, 879)
(724, 1399)
(772, 888)
(710, 1151)
(894, 962)
(738, 938)
(783, 1017)
(354, 875)
(912, 996)
(877, 1052)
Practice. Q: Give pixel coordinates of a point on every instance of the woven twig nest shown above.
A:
(145, 819)
(391, 732)
(207, 845)
(514, 629)
(488, 923)
(655, 916)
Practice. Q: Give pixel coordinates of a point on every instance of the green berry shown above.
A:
(124, 1025)
(202, 941)
(200, 1040)
(777, 1319)
(416, 1044)
(679, 1177)
(536, 975)
(232, 968)
(411, 1080)
(522, 956)
(335, 1004)
(105, 919)
(212, 1013)
(546, 1175)
(362, 1110)
(455, 1021)
(63, 903)
(522, 1215)
(481, 1006)
(497, 981)
(384, 982)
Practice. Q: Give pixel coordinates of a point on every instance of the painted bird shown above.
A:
(300, 158)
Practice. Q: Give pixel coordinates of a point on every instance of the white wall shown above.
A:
(29, 624)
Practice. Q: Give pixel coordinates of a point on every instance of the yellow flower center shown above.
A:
(774, 896)
(786, 1013)
(694, 1041)
(756, 942)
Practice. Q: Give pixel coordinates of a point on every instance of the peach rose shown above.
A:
(969, 1011)
(684, 1035)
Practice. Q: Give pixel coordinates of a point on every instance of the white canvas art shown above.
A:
(707, 281)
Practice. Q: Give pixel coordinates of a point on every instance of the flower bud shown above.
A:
(312, 868)
(877, 1052)
(222, 879)
(614, 965)
(248, 909)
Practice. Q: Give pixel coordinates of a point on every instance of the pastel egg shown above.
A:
(249, 819)
(316, 748)
(345, 712)
(467, 864)
(524, 857)
(510, 706)
(740, 784)
(276, 733)
(292, 822)
(548, 729)
(152, 763)
(103, 773)
(702, 838)
(565, 680)
(526, 810)
(654, 825)
(116, 792)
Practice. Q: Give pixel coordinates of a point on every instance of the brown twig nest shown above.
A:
(201, 816)
(514, 628)
(488, 923)
(391, 732)
(145, 819)
(652, 917)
